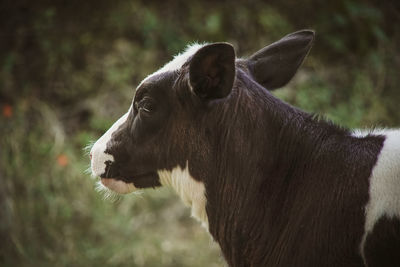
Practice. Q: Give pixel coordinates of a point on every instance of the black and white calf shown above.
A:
(275, 186)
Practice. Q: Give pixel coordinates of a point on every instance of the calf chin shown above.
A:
(118, 186)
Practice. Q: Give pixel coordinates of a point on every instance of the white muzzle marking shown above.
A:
(99, 157)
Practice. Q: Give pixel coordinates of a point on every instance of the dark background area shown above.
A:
(68, 69)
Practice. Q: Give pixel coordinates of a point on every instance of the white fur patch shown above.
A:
(177, 62)
(192, 192)
(99, 157)
(360, 133)
(384, 190)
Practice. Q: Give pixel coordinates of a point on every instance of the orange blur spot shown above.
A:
(7, 111)
(62, 160)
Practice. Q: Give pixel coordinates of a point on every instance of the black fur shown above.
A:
(382, 246)
(293, 189)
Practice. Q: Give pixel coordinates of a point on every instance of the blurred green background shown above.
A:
(68, 70)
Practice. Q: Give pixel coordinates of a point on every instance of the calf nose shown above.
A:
(90, 155)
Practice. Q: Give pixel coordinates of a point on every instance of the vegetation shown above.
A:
(69, 69)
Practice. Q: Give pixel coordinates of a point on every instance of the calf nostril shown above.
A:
(90, 155)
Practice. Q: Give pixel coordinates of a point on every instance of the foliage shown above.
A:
(69, 69)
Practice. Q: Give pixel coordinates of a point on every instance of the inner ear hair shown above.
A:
(212, 71)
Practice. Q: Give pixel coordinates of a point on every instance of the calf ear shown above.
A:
(275, 65)
(212, 71)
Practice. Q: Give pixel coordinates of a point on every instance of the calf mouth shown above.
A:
(123, 185)
(118, 186)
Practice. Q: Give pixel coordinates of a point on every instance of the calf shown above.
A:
(274, 185)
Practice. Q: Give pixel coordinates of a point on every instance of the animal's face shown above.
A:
(158, 132)
(135, 141)
(173, 119)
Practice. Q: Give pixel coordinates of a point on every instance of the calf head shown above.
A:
(180, 115)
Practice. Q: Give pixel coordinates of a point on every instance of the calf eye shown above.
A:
(146, 105)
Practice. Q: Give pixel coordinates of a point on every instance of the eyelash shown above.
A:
(144, 104)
